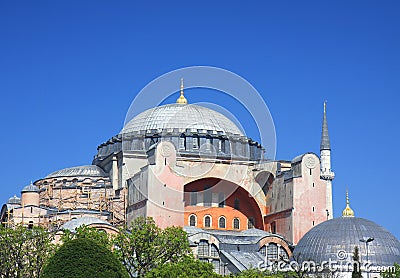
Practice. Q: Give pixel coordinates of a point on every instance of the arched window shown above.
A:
(250, 223)
(182, 142)
(272, 251)
(192, 220)
(214, 251)
(263, 250)
(236, 223)
(207, 221)
(222, 222)
(203, 248)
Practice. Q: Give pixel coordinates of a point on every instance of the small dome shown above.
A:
(339, 236)
(73, 224)
(14, 200)
(181, 117)
(30, 188)
(85, 170)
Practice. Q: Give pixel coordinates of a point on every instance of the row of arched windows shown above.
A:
(273, 251)
(221, 222)
(183, 143)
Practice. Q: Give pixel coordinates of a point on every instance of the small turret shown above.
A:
(30, 195)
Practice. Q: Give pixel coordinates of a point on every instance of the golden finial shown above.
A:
(181, 99)
(347, 212)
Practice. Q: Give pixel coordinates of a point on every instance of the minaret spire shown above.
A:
(181, 99)
(326, 173)
(325, 142)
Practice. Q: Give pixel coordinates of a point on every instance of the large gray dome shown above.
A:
(181, 117)
(326, 240)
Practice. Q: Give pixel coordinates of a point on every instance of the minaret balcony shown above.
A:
(327, 175)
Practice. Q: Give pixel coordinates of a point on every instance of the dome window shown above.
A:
(195, 142)
(182, 142)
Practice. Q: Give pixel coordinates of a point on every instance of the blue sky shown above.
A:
(70, 69)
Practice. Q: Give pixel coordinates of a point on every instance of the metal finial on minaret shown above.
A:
(181, 99)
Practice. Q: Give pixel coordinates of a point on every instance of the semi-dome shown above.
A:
(14, 200)
(181, 117)
(85, 170)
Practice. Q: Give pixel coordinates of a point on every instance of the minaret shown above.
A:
(326, 172)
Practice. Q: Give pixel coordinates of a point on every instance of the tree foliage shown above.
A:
(144, 246)
(188, 267)
(255, 273)
(98, 236)
(392, 273)
(23, 251)
(82, 258)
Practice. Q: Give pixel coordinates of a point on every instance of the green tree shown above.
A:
(392, 273)
(98, 236)
(188, 267)
(251, 273)
(145, 246)
(23, 251)
(356, 264)
(83, 258)
(255, 273)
